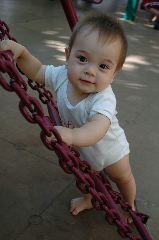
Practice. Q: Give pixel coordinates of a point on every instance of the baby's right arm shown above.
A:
(27, 63)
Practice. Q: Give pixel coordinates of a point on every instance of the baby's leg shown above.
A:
(121, 174)
(80, 204)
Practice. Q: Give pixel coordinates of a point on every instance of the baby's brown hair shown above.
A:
(109, 29)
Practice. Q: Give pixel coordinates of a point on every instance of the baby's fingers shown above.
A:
(4, 45)
(52, 138)
(16, 48)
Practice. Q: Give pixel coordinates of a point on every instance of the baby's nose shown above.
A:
(90, 70)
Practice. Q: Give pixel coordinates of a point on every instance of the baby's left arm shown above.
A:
(87, 135)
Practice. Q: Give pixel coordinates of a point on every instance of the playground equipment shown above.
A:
(131, 10)
(132, 6)
(104, 197)
(150, 4)
(93, 1)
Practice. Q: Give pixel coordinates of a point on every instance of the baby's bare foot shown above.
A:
(80, 204)
(127, 216)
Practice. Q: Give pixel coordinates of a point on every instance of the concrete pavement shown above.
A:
(34, 191)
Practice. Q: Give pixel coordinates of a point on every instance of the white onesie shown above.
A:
(113, 146)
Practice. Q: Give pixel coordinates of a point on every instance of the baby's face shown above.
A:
(92, 63)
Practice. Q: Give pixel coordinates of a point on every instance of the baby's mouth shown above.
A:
(86, 81)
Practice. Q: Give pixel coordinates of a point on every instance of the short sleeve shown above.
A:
(54, 76)
(104, 103)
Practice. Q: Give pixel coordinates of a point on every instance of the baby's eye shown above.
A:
(104, 66)
(82, 58)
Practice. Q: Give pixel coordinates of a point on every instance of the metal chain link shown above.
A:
(4, 31)
(93, 1)
(104, 198)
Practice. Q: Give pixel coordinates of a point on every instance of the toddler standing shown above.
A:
(94, 56)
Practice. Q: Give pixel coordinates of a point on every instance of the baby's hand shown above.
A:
(66, 134)
(16, 48)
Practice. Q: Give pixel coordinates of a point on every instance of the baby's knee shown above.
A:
(124, 178)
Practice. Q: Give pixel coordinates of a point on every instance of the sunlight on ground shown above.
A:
(64, 37)
(155, 47)
(154, 69)
(60, 46)
(135, 39)
(50, 32)
(60, 58)
(133, 60)
(132, 85)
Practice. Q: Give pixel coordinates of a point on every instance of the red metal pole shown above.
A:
(70, 12)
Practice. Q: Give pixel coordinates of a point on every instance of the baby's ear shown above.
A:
(117, 72)
(67, 53)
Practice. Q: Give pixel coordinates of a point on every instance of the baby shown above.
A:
(94, 56)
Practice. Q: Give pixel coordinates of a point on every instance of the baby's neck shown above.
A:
(74, 96)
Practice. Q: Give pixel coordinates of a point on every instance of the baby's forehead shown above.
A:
(87, 30)
(103, 36)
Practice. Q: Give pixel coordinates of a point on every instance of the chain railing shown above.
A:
(93, 1)
(104, 198)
